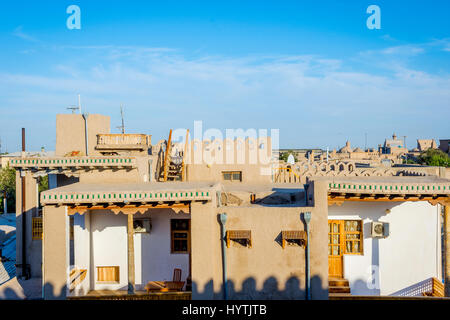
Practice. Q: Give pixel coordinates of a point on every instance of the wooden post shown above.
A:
(167, 155)
(130, 233)
(55, 253)
(447, 250)
(190, 260)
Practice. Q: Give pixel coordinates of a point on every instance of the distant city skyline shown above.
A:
(312, 70)
(409, 146)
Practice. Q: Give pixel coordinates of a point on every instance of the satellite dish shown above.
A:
(291, 159)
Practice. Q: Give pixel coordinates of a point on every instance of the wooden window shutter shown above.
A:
(293, 235)
(37, 229)
(241, 236)
(108, 274)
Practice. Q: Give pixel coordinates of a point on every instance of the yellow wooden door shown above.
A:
(335, 248)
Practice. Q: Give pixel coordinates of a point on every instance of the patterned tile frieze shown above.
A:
(390, 188)
(50, 197)
(72, 162)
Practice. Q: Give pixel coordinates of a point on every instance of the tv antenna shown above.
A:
(122, 127)
(365, 142)
(74, 108)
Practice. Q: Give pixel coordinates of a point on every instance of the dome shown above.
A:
(346, 149)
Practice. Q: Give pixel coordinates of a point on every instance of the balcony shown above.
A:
(123, 142)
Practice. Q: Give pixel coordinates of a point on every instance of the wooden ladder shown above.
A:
(172, 171)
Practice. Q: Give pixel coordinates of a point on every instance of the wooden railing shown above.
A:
(76, 277)
(431, 287)
(286, 175)
(109, 141)
(437, 289)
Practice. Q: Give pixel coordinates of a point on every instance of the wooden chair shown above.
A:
(164, 286)
(176, 275)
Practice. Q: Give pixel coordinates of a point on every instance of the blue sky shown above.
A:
(311, 69)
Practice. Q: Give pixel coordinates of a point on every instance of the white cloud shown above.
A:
(407, 50)
(310, 98)
(19, 33)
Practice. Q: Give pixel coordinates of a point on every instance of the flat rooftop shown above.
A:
(172, 186)
(78, 193)
(130, 187)
(387, 179)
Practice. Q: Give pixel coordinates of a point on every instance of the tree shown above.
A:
(8, 185)
(43, 183)
(435, 157)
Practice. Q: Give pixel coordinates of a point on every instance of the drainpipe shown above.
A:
(85, 117)
(307, 217)
(24, 220)
(223, 220)
(306, 186)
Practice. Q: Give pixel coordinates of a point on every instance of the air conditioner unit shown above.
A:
(380, 229)
(142, 225)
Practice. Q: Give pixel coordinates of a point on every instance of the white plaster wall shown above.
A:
(411, 253)
(82, 250)
(109, 247)
(153, 260)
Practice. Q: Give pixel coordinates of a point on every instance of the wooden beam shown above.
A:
(167, 155)
(81, 209)
(130, 248)
(335, 202)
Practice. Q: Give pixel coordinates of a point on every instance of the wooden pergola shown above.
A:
(128, 199)
(397, 189)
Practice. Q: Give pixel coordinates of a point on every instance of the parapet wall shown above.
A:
(71, 134)
(206, 160)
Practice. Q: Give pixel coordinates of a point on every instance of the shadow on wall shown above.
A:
(269, 291)
(10, 294)
(282, 197)
(15, 292)
(19, 289)
(293, 290)
(6, 235)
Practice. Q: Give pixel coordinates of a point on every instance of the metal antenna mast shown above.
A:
(74, 108)
(122, 127)
(365, 142)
